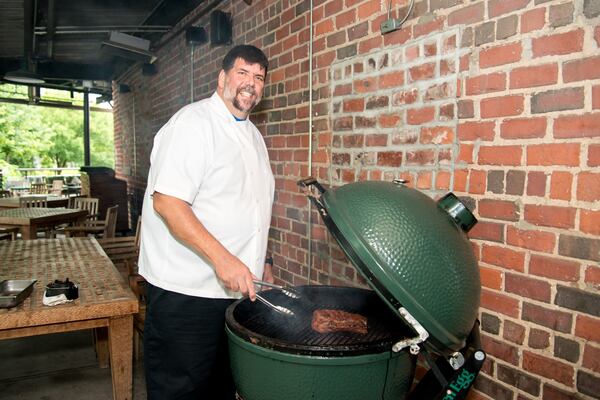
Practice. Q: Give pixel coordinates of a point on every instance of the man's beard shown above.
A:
(234, 98)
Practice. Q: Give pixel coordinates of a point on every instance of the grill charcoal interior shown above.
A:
(257, 323)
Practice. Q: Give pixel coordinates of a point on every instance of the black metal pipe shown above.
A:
(86, 127)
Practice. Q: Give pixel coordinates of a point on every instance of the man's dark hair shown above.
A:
(248, 53)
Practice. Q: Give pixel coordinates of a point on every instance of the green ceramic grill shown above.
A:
(414, 253)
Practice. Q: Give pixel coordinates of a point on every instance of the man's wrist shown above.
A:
(269, 260)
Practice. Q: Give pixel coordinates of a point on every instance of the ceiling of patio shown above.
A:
(68, 42)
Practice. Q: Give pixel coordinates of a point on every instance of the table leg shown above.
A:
(29, 232)
(120, 341)
(101, 342)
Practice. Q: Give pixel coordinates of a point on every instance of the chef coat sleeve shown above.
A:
(182, 157)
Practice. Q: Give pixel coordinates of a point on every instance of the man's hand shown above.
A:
(236, 276)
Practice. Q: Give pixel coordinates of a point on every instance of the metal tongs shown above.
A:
(292, 293)
(287, 290)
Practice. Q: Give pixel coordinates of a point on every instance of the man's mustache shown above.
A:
(246, 88)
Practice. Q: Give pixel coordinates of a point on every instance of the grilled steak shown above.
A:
(325, 321)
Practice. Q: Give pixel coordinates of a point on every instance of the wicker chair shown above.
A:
(86, 203)
(137, 283)
(123, 251)
(5, 194)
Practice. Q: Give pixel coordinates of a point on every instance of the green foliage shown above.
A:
(52, 137)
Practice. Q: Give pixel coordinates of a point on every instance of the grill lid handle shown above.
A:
(413, 342)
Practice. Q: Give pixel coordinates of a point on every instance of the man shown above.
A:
(205, 222)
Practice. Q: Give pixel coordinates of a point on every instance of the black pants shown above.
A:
(185, 347)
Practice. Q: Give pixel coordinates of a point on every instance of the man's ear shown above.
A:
(221, 80)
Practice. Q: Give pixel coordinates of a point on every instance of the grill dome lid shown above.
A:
(412, 250)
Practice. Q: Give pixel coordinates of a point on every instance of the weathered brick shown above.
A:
(538, 75)
(536, 183)
(557, 44)
(566, 349)
(354, 105)
(466, 110)
(501, 350)
(347, 52)
(467, 15)
(389, 158)
(489, 231)
(589, 222)
(557, 100)
(470, 131)
(485, 83)
(499, 209)
(365, 85)
(502, 106)
(556, 320)
(404, 97)
(376, 140)
(389, 120)
(358, 31)
(527, 287)
(503, 257)
(515, 182)
(346, 18)
(391, 80)
(523, 128)
(597, 35)
(538, 339)
(490, 278)
(593, 159)
(587, 383)
(500, 55)
(588, 328)
(566, 154)
(495, 182)
(365, 122)
(596, 97)
(490, 323)
(552, 393)
(492, 388)
(578, 300)
(561, 14)
(500, 155)
(499, 303)
(552, 216)
(548, 368)
(519, 379)
(588, 186)
(507, 27)
(573, 126)
(350, 141)
(342, 124)
(554, 268)
(530, 239)
(485, 33)
(533, 20)
(560, 185)
(375, 102)
(591, 357)
(418, 116)
(513, 332)
(579, 247)
(437, 135)
(581, 69)
(591, 8)
(421, 72)
(592, 276)
(500, 7)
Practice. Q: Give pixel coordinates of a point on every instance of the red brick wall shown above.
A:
(497, 101)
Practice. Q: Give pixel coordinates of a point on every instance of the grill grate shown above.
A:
(295, 334)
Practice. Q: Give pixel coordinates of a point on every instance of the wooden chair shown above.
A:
(5, 194)
(57, 187)
(86, 203)
(105, 228)
(9, 233)
(123, 251)
(32, 202)
(38, 188)
(137, 283)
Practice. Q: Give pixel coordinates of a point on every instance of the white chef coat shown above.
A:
(221, 167)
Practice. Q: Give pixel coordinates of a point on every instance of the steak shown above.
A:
(326, 321)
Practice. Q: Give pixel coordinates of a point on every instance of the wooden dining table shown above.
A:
(29, 220)
(105, 301)
(53, 201)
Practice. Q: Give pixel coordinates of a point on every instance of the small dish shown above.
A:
(14, 291)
